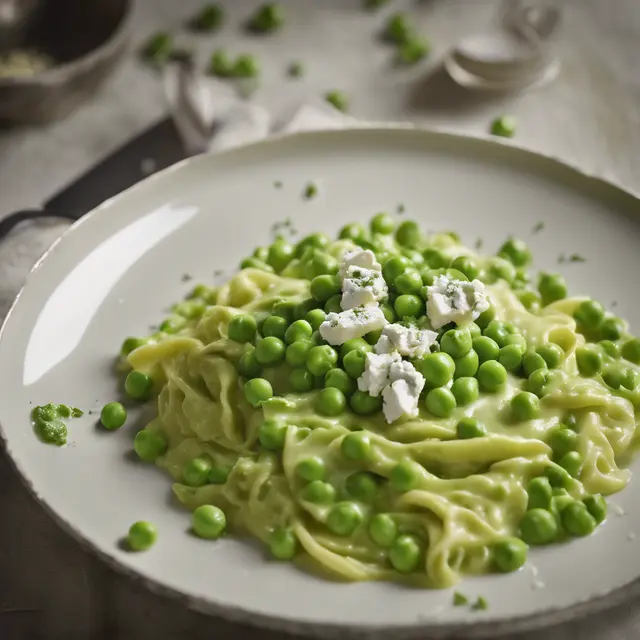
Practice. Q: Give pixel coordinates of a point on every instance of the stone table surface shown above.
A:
(49, 587)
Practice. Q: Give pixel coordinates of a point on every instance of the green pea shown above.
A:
(208, 522)
(270, 350)
(486, 348)
(437, 368)
(324, 287)
(353, 231)
(509, 554)
(613, 376)
(532, 361)
(319, 264)
(406, 475)
(552, 354)
(589, 313)
(612, 328)
(408, 282)
(552, 287)
(363, 404)
(333, 304)
(344, 518)
(321, 359)
(113, 415)
(500, 269)
(298, 330)
(219, 474)
(142, 535)
(405, 553)
(530, 300)
(339, 379)
(538, 526)
(356, 445)
(354, 363)
(435, 259)
(138, 385)
(540, 493)
(525, 406)
(504, 126)
(408, 233)
(382, 223)
(355, 344)
(497, 331)
(283, 543)
(577, 520)
(589, 361)
(572, 463)
(539, 382)
(467, 366)
(315, 318)
(485, 318)
(148, 445)
(510, 357)
(242, 328)
(389, 312)
(610, 348)
(440, 402)
(248, 366)
(330, 402)
(630, 379)
(172, 324)
(563, 440)
(274, 326)
(362, 486)
(254, 263)
(408, 305)
(311, 468)
(470, 428)
(456, 342)
(257, 390)
(492, 376)
(372, 337)
(303, 307)
(596, 506)
(558, 477)
(272, 433)
(631, 350)
(130, 344)
(280, 252)
(313, 241)
(395, 267)
(383, 529)
(261, 253)
(465, 391)
(516, 251)
(297, 353)
(196, 471)
(318, 492)
(285, 309)
(466, 265)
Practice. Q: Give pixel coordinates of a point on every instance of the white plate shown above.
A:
(120, 267)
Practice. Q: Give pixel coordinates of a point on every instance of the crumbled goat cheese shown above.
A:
(363, 258)
(362, 287)
(354, 323)
(408, 341)
(450, 300)
(376, 372)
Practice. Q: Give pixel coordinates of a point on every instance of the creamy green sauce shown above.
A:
(48, 422)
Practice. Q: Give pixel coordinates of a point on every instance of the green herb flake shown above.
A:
(76, 413)
(246, 66)
(398, 29)
(311, 191)
(372, 5)
(539, 227)
(220, 64)
(478, 244)
(217, 273)
(269, 17)
(504, 127)
(562, 258)
(158, 48)
(338, 100)
(459, 599)
(295, 69)
(400, 209)
(480, 604)
(576, 257)
(209, 18)
(278, 184)
(412, 51)
(186, 277)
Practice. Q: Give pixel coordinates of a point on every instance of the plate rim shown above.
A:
(241, 614)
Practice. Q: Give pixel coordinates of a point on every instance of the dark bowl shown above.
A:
(85, 39)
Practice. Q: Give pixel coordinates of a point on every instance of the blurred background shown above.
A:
(154, 80)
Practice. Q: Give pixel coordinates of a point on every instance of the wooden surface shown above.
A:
(49, 587)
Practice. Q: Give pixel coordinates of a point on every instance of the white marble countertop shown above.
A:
(50, 588)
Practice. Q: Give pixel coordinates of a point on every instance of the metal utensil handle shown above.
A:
(10, 221)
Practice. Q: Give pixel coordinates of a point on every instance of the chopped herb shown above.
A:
(217, 272)
(400, 209)
(478, 244)
(246, 66)
(372, 5)
(504, 126)
(209, 18)
(338, 100)
(76, 413)
(285, 225)
(158, 48)
(90, 412)
(278, 184)
(398, 30)
(412, 51)
(220, 64)
(186, 277)
(267, 18)
(539, 227)
(311, 191)
(480, 604)
(562, 258)
(459, 599)
(576, 257)
(295, 69)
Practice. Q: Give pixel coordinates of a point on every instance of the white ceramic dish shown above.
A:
(118, 269)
